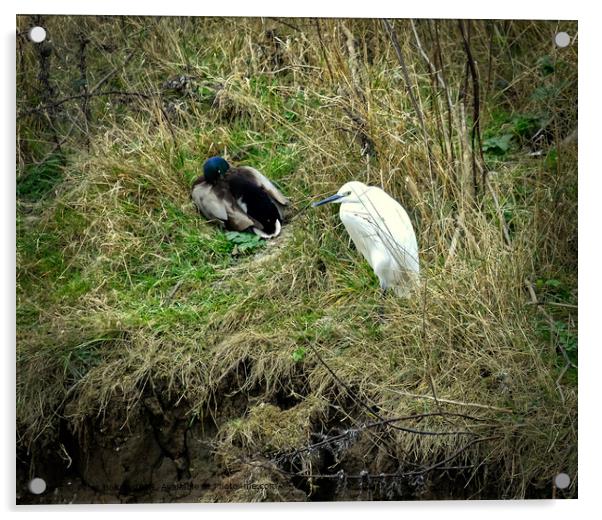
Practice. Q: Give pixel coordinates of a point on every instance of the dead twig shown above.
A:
(111, 73)
(406, 76)
(364, 475)
(452, 401)
(453, 245)
(389, 422)
(323, 49)
(173, 291)
(345, 385)
(499, 211)
(284, 22)
(123, 93)
(475, 134)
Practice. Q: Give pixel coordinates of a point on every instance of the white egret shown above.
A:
(240, 199)
(382, 232)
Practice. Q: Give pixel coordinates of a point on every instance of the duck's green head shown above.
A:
(214, 168)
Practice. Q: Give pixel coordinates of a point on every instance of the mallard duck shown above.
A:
(239, 198)
(382, 232)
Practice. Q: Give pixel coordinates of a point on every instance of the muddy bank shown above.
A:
(154, 452)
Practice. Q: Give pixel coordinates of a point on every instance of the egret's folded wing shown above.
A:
(266, 184)
(361, 229)
(395, 228)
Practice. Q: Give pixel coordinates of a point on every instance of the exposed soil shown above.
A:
(153, 453)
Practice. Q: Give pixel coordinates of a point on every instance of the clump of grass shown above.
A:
(268, 430)
(121, 282)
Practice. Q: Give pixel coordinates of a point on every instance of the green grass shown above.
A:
(38, 180)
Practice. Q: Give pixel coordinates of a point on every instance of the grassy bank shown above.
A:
(122, 286)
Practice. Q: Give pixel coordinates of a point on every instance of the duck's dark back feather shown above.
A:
(261, 180)
(256, 203)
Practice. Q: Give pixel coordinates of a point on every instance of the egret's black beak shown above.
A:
(332, 198)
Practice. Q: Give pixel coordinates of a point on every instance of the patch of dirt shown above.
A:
(150, 452)
(154, 452)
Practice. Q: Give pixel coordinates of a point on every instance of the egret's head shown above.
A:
(349, 192)
(214, 168)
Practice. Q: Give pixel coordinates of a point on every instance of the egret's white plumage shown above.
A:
(382, 232)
